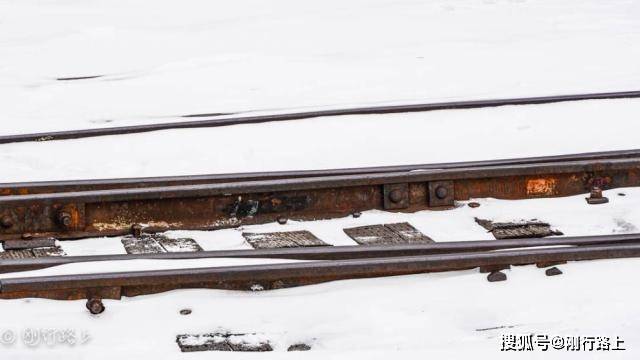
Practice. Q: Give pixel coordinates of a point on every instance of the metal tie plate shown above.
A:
(155, 243)
(398, 233)
(287, 239)
(518, 230)
(222, 342)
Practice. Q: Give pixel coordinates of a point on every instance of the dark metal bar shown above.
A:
(25, 188)
(325, 182)
(235, 120)
(294, 274)
(220, 205)
(331, 252)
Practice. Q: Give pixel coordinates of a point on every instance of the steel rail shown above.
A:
(219, 205)
(117, 284)
(253, 119)
(323, 182)
(328, 252)
(24, 188)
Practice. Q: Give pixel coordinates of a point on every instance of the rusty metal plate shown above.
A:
(518, 230)
(408, 233)
(287, 239)
(28, 244)
(156, 243)
(48, 251)
(396, 196)
(16, 254)
(400, 233)
(144, 245)
(441, 193)
(179, 245)
(222, 342)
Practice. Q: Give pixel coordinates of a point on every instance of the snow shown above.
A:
(168, 59)
(409, 316)
(335, 142)
(172, 58)
(571, 215)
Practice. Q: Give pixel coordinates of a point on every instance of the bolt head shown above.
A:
(441, 192)
(395, 196)
(356, 214)
(6, 221)
(282, 220)
(496, 276)
(64, 219)
(95, 306)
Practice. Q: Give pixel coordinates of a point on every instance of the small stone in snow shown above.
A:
(299, 347)
(553, 271)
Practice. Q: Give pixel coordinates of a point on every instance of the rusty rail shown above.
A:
(42, 187)
(235, 120)
(273, 276)
(329, 252)
(230, 204)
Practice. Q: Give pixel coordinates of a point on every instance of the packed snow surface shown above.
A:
(153, 62)
(335, 142)
(449, 315)
(160, 61)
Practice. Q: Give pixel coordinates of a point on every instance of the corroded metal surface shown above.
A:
(398, 233)
(223, 205)
(157, 243)
(288, 239)
(222, 341)
(518, 230)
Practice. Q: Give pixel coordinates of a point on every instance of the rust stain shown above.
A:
(540, 187)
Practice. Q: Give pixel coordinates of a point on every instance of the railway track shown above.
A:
(116, 207)
(217, 119)
(362, 263)
(68, 210)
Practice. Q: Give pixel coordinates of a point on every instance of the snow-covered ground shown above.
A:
(335, 142)
(169, 58)
(449, 315)
(162, 59)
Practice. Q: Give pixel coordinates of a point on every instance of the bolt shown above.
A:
(595, 197)
(7, 221)
(441, 192)
(396, 196)
(496, 276)
(281, 220)
(136, 230)
(356, 214)
(553, 271)
(64, 219)
(185, 312)
(474, 205)
(95, 306)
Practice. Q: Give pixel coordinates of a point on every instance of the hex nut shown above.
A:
(95, 306)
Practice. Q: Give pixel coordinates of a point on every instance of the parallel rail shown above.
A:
(210, 206)
(44, 187)
(273, 276)
(327, 252)
(236, 119)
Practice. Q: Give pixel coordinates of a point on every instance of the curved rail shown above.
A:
(236, 120)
